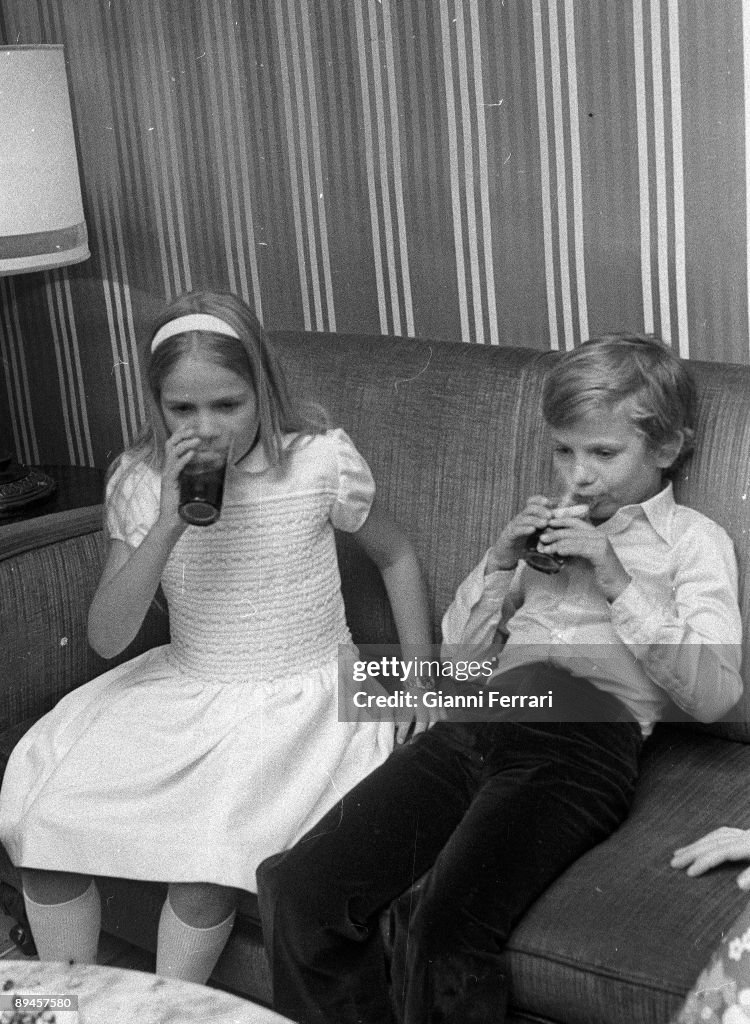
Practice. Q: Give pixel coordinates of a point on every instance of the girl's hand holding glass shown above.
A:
(722, 845)
(178, 451)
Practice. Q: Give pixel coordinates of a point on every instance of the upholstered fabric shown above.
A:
(49, 569)
(620, 937)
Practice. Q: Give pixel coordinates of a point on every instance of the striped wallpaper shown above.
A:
(488, 171)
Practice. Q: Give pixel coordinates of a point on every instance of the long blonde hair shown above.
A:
(250, 357)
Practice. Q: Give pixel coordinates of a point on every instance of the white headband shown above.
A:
(193, 322)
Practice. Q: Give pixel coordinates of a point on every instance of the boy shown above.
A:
(643, 612)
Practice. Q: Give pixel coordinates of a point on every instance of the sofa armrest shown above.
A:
(49, 569)
(17, 538)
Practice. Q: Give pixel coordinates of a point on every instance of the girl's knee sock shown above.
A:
(67, 931)
(186, 952)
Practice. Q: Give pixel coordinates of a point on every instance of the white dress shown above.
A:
(198, 759)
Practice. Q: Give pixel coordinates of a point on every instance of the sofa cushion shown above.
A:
(621, 936)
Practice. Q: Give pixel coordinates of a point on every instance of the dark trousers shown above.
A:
(494, 811)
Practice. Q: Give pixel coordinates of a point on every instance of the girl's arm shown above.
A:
(129, 582)
(131, 575)
(393, 553)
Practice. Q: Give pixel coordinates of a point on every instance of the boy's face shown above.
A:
(604, 461)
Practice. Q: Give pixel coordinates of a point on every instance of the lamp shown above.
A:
(42, 226)
(41, 214)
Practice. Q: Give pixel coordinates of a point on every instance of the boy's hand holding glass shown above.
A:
(569, 535)
(511, 545)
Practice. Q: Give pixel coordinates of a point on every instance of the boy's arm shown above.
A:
(492, 592)
(482, 603)
(689, 641)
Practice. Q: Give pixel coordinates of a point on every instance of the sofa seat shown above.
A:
(621, 936)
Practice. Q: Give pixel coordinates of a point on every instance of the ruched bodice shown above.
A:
(257, 596)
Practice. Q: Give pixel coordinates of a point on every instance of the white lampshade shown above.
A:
(41, 213)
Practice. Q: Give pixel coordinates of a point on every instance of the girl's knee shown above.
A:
(202, 904)
(53, 886)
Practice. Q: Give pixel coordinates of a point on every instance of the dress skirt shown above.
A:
(146, 773)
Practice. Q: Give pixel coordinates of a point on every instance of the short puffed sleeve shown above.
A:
(132, 500)
(356, 487)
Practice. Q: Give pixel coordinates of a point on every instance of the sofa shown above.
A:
(455, 439)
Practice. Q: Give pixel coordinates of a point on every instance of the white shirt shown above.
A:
(675, 632)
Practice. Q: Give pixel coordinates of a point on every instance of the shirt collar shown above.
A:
(658, 510)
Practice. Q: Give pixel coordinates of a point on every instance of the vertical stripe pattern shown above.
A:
(746, 54)
(643, 166)
(305, 173)
(157, 120)
(560, 155)
(69, 372)
(526, 172)
(381, 129)
(16, 376)
(467, 133)
(660, 149)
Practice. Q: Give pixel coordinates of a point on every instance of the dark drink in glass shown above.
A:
(202, 489)
(546, 561)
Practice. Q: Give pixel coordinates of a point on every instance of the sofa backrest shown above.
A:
(455, 439)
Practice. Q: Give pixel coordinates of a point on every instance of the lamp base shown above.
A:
(21, 485)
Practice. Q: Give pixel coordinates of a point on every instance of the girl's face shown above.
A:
(604, 461)
(215, 404)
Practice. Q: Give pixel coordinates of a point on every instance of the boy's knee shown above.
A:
(301, 871)
(267, 875)
(281, 900)
(278, 888)
(297, 901)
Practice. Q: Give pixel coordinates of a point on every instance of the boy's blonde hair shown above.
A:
(605, 371)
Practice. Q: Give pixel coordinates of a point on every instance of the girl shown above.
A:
(196, 760)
